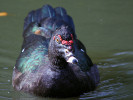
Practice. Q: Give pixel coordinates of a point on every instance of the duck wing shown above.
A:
(34, 53)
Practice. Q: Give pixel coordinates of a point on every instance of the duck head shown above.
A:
(61, 47)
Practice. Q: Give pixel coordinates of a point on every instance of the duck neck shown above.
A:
(56, 59)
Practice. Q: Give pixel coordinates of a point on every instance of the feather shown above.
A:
(48, 18)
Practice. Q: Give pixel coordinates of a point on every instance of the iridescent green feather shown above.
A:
(32, 57)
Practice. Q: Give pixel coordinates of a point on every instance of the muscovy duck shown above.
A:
(53, 62)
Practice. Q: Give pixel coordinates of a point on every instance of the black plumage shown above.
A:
(53, 62)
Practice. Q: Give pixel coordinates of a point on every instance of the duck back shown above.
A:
(47, 17)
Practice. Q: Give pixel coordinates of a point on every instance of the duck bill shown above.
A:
(72, 60)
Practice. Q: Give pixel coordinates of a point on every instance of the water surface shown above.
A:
(104, 26)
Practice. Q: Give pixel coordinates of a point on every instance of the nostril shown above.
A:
(70, 48)
(66, 51)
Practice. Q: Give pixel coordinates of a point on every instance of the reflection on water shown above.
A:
(105, 27)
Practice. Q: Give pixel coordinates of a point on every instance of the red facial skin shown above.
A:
(64, 42)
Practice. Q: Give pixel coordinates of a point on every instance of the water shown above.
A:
(104, 26)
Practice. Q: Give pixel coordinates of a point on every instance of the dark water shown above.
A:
(104, 26)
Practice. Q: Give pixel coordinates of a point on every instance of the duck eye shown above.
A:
(57, 40)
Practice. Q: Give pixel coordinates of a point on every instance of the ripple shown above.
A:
(124, 53)
(108, 65)
(5, 68)
(3, 89)
(6, 98)
(4, 83)
(120, 64)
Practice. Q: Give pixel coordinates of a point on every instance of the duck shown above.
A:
(53, 62)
